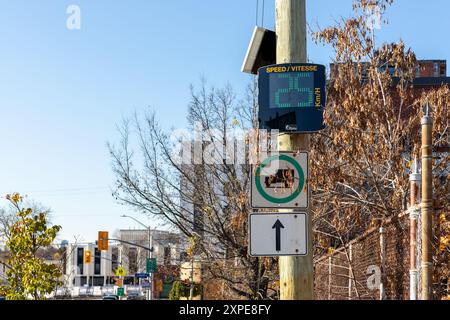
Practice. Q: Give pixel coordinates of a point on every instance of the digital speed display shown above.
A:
(292, 97)
(291, 90)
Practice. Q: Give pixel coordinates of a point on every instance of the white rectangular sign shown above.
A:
(278, 234)
(280, 181)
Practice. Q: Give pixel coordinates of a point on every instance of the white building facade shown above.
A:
(98, 273)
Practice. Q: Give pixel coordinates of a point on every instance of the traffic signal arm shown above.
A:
(133, 244)
(103, 239)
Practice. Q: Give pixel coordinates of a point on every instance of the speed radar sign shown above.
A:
(292, 97)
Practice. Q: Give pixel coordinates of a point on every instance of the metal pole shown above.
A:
(191, 291)
(330, 262)
(350, 273)
(150, 237)
(91, 249)
(121, 264)
(296, 273)
(414, 179)
(383, 261)
(427, 203)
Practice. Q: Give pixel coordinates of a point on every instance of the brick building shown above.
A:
(431, 69)
(424, 69)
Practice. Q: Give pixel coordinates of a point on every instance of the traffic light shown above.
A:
(87, 256)
(102, 240)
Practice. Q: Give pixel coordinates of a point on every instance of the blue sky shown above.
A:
(62, 92)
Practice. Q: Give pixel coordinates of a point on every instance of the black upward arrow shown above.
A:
(278, 226)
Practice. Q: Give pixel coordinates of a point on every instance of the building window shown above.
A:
(417, 71)
(97, 261)
(436, 69)
(99, 281)
(80, 260)
(443, 70)
(83, 281)
(115, 259)
(167, 255)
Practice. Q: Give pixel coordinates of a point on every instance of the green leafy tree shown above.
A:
(28, 275)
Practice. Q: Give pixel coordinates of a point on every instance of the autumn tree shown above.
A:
(28, 275)
(360, 171)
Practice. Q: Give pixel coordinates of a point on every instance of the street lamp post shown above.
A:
(149, 255)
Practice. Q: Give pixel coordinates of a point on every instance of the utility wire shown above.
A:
(70, 192)
(66, 190)
(262, 13)
(257, 11)
(262, 18)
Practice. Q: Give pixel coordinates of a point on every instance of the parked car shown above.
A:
(110, 297)
(135, 296)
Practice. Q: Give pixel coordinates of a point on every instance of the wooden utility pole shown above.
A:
(296, 273)
(427, 203)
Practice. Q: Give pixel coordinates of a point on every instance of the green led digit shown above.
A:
(294, 87)
(310, 94)
(281, 91)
